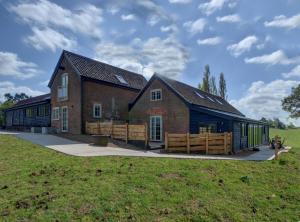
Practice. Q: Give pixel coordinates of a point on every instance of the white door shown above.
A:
(64, 119)
(155, 128)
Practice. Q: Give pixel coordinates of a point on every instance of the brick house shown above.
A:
(174, 107)
(83, 89)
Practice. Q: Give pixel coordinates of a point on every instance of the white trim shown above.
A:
(100, 112)
(161, 128)
(155, 91)
(63, 90)
(54, 116)
(62, 119)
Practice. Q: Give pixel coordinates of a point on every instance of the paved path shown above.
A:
(83, 149)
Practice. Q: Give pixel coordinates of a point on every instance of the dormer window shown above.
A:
(121, 79)
(63, 89)
(155, 95)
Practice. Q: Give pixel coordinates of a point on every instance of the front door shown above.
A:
(155, 128)
(64, 119)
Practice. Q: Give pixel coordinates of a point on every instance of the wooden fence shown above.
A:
(210, 143)
(118, 131)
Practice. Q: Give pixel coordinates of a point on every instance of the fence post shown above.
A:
(166, 141)
(188, 142)
(225, 143)
(146, 134)
(126, 125)
(86, 127)
(206, 143)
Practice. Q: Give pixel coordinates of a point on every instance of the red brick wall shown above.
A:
(174, 112)
(94, 92)
(73, 102)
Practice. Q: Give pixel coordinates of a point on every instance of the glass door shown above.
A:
(155, 128)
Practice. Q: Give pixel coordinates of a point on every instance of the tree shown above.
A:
(222, 86)
(213, 86)
(291, 126)
(291, 103)
(278, 124)
(20, 96)
(8, 97)
(205, 86)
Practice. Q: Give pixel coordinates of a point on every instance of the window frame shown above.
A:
(155, 94)
(64, 87)
(94, 110)
(54, 117)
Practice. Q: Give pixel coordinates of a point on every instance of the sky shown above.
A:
(254, 43)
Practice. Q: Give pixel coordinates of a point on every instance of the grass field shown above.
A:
(38, 184)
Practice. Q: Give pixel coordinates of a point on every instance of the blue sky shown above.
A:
(255, 43)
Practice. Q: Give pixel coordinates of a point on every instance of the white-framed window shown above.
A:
(55, 113)
(64, 119)
(155, 95)
(63, 89)
(97, 110)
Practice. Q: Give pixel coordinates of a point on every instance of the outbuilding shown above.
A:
(27, 113)
(174, 107)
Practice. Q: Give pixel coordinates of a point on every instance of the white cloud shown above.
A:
(243, 46)
(264, 100)
(195, 27)
(12, 65)
(170, 28)
(210, 7)
(210, 41)
(85, 20)
(47, 38)
(229, 18)
(295, 72)
(10, 87)
(277, 57)
(165, 56)
(179, 1)
(232, 4)
(282, 21)
(129, 17)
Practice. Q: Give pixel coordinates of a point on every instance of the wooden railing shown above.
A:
(210, 143)
(124, 132)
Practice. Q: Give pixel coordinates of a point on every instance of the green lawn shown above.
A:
(40, 184)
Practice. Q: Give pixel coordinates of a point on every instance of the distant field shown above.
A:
(38, 184)
(292, 136)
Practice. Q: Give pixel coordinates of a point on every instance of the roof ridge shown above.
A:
(191, 87)
(94, 60)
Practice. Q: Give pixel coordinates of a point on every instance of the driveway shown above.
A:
(83, 149)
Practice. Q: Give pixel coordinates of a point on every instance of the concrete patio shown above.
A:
(74, 148)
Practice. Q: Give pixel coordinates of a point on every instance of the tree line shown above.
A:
(209, 84)
(277, 123)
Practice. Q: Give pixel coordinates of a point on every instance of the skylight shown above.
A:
(121, 79)
(198, 94)
(210, 99)
(219, 101)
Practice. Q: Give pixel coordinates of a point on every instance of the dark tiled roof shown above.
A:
(32, 100)
(188, 93)
(100, 71)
